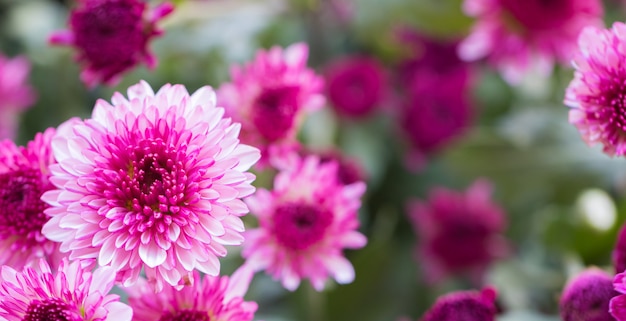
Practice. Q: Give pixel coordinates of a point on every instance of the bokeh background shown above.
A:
(564, 201)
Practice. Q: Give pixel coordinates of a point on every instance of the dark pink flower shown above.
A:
(586, 297)
(355, 85)
(458, 231)
(619, 251)
(596, 94)
(464, 306)
(617, 306)
(111, 37)
(15, 94)
(516, 36)
(24, 177)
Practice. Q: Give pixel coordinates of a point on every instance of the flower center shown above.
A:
(274, 111)
(612, 111)
(21, 209)
(49, 310)
(298, 226)
(462, 243)
(185, 315)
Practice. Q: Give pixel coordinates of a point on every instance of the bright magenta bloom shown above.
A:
(617, 306)
(619, 251)
(153, 181)
(586, 297)
(271, 95)
(595, 94)
(72, 294)
(305, 223)
(15, 94)
(208, 299)
(464, 305)
(516, 36)
(111, 37)
(24, 177)
(459, 232)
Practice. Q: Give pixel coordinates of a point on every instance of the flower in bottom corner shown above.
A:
(586, 297)
(71, 294)
(305, 223)
(464, 305)
(212, 298)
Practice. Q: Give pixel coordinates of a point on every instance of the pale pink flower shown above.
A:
(24, 177)
(459, 232)
(305, 223)
(154, 182)
(15, 94)
(516, 36)
(72, 294)
(597, 90)
(211, 298)
(111, 37)
(270, 97)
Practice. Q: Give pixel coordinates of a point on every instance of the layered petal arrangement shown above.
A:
(305, 223)
(72, 294)
(15, 94)
(464, 305)
(617, 305)
(270, 96)
(24, 177)
(111, 37)
(208, 299)
(517, 36)
(459, 232)
(151, 181)
(586, 297)
(596, 93)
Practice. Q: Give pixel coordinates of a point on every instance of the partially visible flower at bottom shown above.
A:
(464, 305)
(15, 94)
(72, 294)
(617, 306)
(619, 251)
(212, 298)
(586, 297)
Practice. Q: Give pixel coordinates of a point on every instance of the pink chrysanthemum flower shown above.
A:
(597, 90)
(464, 305)
(111, 37)
(153, 181)
(24, 177)
(305, 223)
(458, 232)
(209, 299)
(586, 297)
(15, 94)
(270, 96)
(71, 294)
(516, 36)
(619, 251)
(355, 85)
(617, 305)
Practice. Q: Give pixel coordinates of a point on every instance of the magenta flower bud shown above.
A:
(464, 305)
(586, 297)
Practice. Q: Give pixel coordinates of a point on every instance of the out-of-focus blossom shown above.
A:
(72, 293)
(516, 36)
(15, 94)
(464, 305)
(617, 306)
(208, 299)
(305, 223)
(459, 232)
(619, 251)
(349, 170)
(24, 177)
(270, 96)
(596, 93)
(111, 37)
(355, 85)
(586, 297)
(154, 181)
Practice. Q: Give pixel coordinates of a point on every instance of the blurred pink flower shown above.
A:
(586, 297)
(211, 298)
(111, 37)
(305, 223)
(15, 94)
(72, 293)
(270, 97)
(619, 251)
(596, 92)
(464, 305)
(24, 177)
(516, 36)
(154, 182)
(355, 85)
(458, 231)
(617, 305)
